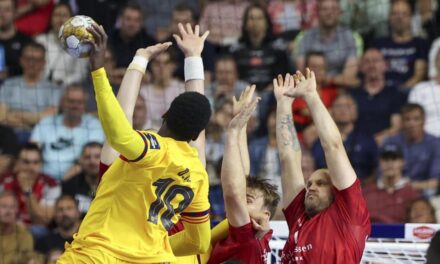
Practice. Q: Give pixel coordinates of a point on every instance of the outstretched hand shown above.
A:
(189, 41)
(97, 57)
(244, 99)
(246, 105)
(280, 87)
(152, 51)
(305, 86)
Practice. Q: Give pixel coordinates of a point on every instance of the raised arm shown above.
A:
(341, 171)
(233, 178)
(117, 128)
(191, 45)
(129, 90)
(292, 178)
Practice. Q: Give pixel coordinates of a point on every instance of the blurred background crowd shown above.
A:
(377, 65)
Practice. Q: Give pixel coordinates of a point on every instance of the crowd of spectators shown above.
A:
(377, 65)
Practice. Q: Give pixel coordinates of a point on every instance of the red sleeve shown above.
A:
(102, 169)
(295, 209)
(352, 204)
(241, 234)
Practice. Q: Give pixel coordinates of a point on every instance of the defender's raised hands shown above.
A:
(280, 87)
(305, 86)
(190, 41)
(243, 100)
(246, 105)
(152, 51)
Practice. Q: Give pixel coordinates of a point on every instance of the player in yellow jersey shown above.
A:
(157, 178)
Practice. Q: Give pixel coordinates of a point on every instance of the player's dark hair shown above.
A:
(270, 193)
(188, 115)
(412, 107)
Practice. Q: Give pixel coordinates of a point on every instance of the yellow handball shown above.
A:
(75, 38)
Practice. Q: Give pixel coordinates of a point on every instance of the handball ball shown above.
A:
(75, 38)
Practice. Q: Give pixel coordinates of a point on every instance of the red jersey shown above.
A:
(242, 244)
(335, 235)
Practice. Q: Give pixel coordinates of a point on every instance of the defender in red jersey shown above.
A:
(327, 216)
(249, 203)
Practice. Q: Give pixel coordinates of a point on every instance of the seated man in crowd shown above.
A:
(62, 136)
(388, 198)
(26, 99)
(83, 185)
(36, 192)
(67, 221)
(15, 240)
(421, 150)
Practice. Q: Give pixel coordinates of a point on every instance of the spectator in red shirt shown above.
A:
(36, 192)
(388, 198)
(33, 16)
(327, 216)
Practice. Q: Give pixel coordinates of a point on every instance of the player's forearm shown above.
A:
(195, 239)
(290, 153)
(328, 132)
(244, 151)
(117, 128)
(232, 174)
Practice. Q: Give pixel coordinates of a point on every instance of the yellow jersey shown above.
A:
(140, 199)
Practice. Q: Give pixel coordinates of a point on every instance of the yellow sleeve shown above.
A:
(198, 210)
(194, 239)
(220, 232)
(117, 129)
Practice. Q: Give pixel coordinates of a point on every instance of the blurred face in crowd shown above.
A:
(32, 61)
(391, 168)
(6, 14)
(319, 193)
(317, 64)
(400, 17)
(162, 68)
(131, 22)
(413, 123)
(421, 212)
(344, 110)
(328, 13)
(29, 163)
(66, 213)
(181, 16)
(373, 64)
(256, 23)
(74, 103)
(255, 205)
(90, 159)
(8, 209)
(53, 256)
(139, 114)
(59, 15)
(226, 72)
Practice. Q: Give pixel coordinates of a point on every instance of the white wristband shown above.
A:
(194, 69)
(140, 61)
